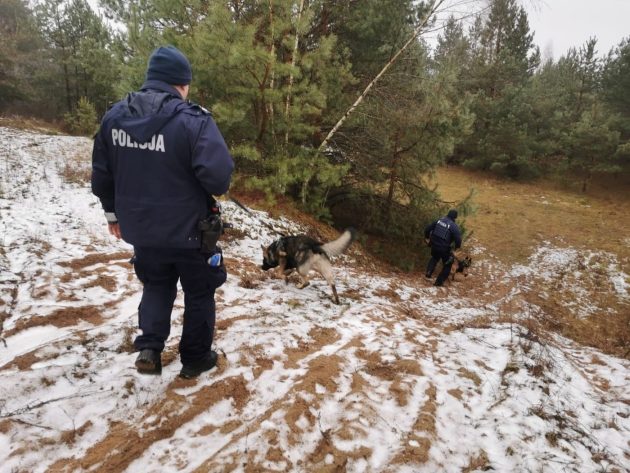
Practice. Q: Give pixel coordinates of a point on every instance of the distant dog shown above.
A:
(460, 266)
(301, 253)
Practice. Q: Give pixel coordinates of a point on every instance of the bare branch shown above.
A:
(30, 407)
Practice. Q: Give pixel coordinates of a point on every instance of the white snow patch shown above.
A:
(399, 379)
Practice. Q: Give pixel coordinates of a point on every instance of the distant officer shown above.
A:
(440, 235)
(156, 162)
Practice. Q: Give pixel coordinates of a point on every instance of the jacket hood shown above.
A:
(150, 109)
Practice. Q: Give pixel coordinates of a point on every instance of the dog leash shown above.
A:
(250, 213)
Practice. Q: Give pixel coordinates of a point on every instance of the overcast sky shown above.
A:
(557, 24)
(560, 24)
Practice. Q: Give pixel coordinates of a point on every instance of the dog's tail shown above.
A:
(341, 244)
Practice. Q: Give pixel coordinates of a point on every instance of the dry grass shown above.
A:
(126, 346)
(76, 169)
(95, 258)
(512, 218)
(31, 124)
(479, 462)
(63, 317)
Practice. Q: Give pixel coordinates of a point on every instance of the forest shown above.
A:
(342, 106)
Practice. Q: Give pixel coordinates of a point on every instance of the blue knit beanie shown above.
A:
(168, 64)
(452, 214)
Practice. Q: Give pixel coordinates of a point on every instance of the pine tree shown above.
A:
(616, 79)
(615, 91)
(83, 120)
(80, 46)
(588, 76)
(268, 96)
(407, 126)
(20, 56)
(591, 146)
(371, 30)
(503, 61)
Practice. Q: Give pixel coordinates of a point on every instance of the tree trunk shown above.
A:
(66, 78)
(287, 107)
(589, 176)
(272, 59)
(392, 174)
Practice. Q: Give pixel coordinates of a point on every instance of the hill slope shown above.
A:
(400, 377)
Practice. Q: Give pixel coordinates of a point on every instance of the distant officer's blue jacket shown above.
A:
(442, 232)
(156, 160)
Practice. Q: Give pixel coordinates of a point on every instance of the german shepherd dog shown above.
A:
(460, 266)
(301, 253)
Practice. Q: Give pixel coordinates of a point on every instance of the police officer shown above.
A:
(156, 162)
(440, 234)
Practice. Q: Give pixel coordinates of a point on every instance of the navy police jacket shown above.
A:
(442, 232)
(156, 160)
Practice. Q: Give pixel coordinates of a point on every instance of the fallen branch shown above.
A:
(20, 421)
(30, 407)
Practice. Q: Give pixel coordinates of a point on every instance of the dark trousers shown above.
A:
(159, 269)
(437, 254)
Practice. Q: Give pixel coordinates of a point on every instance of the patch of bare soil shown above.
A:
(123, 443)
(95, 258)
(319, 380)
(320, 336)
(64, 317)
(340, 457)
(418, 441)
(102, 280)
(299, 409)
(68, 437)
(258, 359)
(23, 362)
(224, 324)
(607, 329)
(323, 371)
(26, 360)
(553, 305)
(5, 425)
(389, 293)
(388, 371)
(31, 124)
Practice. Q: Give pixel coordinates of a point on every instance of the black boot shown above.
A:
(194, 369)
(149, 362)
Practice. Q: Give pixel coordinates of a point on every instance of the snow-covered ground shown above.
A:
(401, 377)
